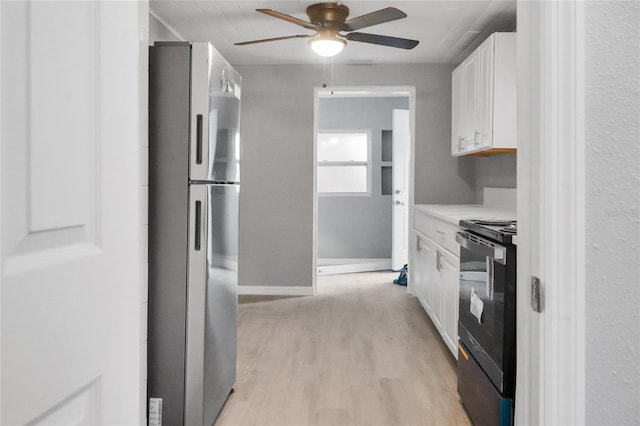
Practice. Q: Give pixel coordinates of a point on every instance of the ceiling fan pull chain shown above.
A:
(332, 75)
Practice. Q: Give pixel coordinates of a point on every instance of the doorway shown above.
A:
(356, 185)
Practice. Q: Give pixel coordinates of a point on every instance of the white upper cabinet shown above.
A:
(457, 111)
(484, 114)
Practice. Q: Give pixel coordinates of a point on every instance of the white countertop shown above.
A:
(453, 213)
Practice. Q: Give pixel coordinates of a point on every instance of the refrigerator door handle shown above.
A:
(198, 231)
(199, 139)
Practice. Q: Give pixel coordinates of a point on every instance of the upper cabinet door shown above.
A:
(484, 117)
(458, 144)
(471, 72)
(484, 112)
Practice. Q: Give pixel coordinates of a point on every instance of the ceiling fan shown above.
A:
(329, 21)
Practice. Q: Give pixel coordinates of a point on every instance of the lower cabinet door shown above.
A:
(450, 286)
(433, 284)
(416, 268)
(435, 274)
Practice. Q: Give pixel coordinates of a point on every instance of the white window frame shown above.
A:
(349, 163)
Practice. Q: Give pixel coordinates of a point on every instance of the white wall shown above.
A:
(358, 227)
(276, 204)
(612, 80)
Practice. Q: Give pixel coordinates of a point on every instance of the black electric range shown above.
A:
(487, 320)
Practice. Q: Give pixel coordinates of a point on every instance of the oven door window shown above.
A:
(482, 302)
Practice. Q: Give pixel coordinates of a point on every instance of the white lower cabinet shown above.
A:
(435, 273)
(450, 287)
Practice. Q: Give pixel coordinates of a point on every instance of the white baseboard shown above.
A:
(348, 266)
(266, 290)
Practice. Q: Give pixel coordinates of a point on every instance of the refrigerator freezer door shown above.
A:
(215, 117)
(212, 300)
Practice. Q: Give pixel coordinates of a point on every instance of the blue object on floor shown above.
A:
(402, 278)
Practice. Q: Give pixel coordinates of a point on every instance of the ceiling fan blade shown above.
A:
(287, 18)
(373, 18)
(402, 43)
(264, 40)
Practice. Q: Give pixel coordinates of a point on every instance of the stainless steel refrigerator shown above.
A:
(194, 154)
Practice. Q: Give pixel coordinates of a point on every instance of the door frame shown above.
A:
(358, 91)
(551, 212)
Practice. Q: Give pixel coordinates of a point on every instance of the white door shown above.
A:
(400, 209)
(72, 249)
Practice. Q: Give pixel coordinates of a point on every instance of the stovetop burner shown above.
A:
(511, 229)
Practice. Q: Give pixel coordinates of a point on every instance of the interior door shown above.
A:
(400, 210)
(72, 252)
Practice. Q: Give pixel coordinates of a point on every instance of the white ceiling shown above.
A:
(447, 30)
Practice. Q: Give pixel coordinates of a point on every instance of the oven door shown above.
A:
(482, 303)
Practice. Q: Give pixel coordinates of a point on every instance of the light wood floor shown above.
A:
(361, 352)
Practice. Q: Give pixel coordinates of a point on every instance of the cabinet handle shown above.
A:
(199, 139)
(418, 244)
(198, 230)
(475, 138)
(438, 260)
(441, 232)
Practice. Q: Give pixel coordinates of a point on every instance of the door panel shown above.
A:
(458, 108)
(70, 220)
(400, 209)
(485, 94)
(221, 295)
(215, 102)
(432, 282)
(417, 268)
(450, 279)
(471, 100)
(212, 300)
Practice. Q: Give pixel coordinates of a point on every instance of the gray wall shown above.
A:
(276, 210)
(158, 32)
(612, 49)
(495, 172)
(276, 204)
(358, 226)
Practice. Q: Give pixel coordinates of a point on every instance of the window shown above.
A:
(343, 162)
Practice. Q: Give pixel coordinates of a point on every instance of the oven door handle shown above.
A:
(495, 253)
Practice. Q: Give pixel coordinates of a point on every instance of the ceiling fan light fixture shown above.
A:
(327, 46)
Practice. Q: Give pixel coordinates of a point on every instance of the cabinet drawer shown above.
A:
(444, 234)
(422, 222)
